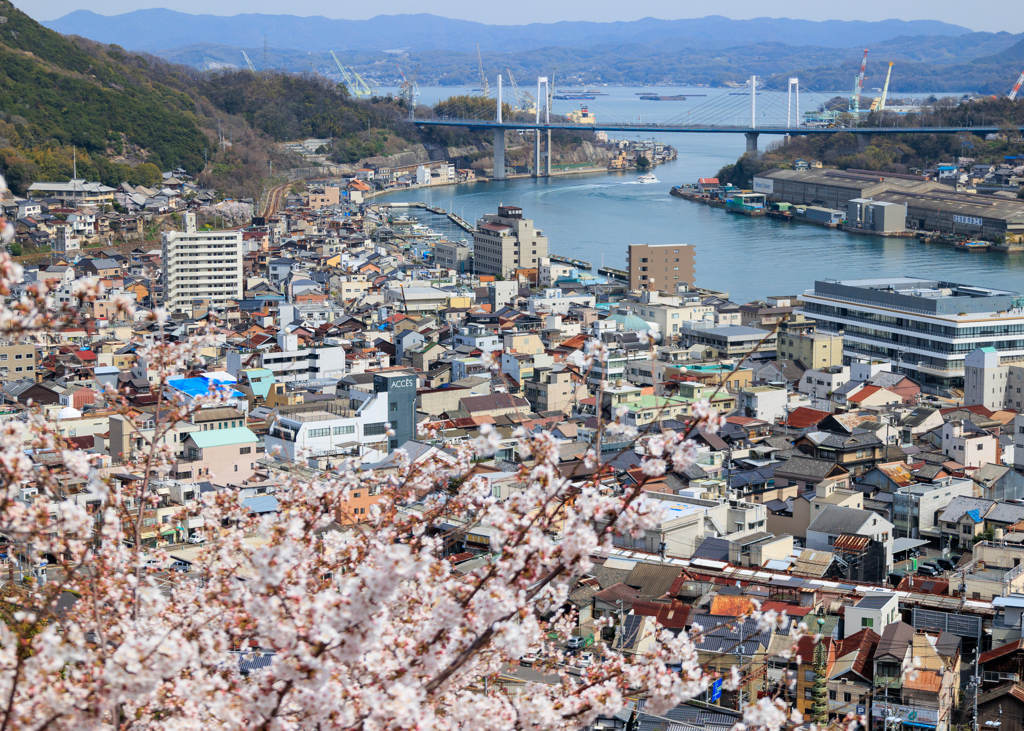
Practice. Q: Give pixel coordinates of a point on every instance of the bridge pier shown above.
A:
(499, 155)
(536, 153)
(547, 157)
(751, 142)
(862, 141)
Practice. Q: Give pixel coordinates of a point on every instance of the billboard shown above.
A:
(764, 185)
(914, 716)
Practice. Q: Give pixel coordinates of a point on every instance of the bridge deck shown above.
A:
(709, 129)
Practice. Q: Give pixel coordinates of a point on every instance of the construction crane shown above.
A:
(484, 86)
(551, 86)
(878, 105)
(855, 101)
(1016, 87)
(248, 62)
(356, 86)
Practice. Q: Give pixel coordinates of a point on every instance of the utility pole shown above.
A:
(977, 687)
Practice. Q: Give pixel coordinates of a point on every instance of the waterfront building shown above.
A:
(505, 242)
(663, 266)
(201, 265)
(925, 328)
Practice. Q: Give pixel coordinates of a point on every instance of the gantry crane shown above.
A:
(409, 90)
(1016, 87)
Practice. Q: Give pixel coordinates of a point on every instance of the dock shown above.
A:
(614, 273)
(579, 264)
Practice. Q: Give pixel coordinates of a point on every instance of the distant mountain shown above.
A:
(159, 29)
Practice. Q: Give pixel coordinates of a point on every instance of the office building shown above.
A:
(201, 265)
(659, 267)
(925, 328)
(811, 350)
(505, 242)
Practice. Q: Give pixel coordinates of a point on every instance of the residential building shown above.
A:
(218, 455)
(833, 521)
(18, 360)
(817, 350)
(201, 265)
(660, 267)
(290, 363)
(970, 445)
(923, 327)
(734, 341)
(875, 612)
(323, 196)
(74, 191)
(992, 380)
(453, 255)
(505, 242)
(767, 403)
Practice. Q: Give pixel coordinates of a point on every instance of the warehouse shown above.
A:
(834, 188)
(967, 214)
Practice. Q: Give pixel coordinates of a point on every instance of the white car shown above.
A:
(585, 660)
(530, 657)
(196, 538)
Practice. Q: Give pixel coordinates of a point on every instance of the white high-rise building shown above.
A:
(201, 265)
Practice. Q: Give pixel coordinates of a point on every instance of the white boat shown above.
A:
(647, 178)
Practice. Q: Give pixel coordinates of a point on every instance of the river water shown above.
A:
(595, 217)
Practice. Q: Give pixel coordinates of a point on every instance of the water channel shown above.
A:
(594, 217)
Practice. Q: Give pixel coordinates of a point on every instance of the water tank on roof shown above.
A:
(997, 534)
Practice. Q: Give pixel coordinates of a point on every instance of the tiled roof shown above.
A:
(803, 417)
(998, 652)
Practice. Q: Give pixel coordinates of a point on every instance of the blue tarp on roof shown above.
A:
(200, 386)
(261, 504)
(974, 515)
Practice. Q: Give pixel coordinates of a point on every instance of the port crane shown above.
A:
(524, 99)
(409, 90)
(484, 86)
(878, 105)
(1016, 87)
(248, 62)
(356, 86)
(859, 85)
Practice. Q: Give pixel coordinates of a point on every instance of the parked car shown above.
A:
(945, 564)
(180, 566)
(578, 643)
(929, 571)
(530, 657)
(585, 660)
(196, 538)
(932, 565)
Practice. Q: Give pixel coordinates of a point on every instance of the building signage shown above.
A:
(970, 220)
(764, 185)
(716, 690)
(910, 716)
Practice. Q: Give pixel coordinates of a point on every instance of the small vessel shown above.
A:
(571, 97)
(647, 178)
(657, 98)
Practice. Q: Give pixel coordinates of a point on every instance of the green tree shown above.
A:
(643, 164)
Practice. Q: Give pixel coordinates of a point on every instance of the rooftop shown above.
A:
(928, 296)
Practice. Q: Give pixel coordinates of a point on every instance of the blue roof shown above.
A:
(200, 386)
(261, 504)
(974, 515)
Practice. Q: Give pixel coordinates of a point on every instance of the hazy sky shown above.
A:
(998, 15)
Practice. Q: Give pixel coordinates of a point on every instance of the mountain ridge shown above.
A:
(160, 29)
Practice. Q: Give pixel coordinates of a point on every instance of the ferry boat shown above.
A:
(647, 178)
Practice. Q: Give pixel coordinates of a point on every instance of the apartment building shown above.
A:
(668, 312)
(289, 363)
(322, 197)
(925, 328)
(660, 267)
(505, 242)
(812, 350)
(201, 265)
(992, 381)
(17, 360)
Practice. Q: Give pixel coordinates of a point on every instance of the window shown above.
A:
(338, 430)
(375, 429)
(356, 494)
(236, 468)
(867, 622)
(847, 697)
(808, 676)
(244, 450)
(832, 695)
(966, 529)
(980, 446)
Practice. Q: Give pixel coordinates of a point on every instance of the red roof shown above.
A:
(707, 181)
(85, 355)
(999, 652)
(864, 393)
(672, 615)
(977, 409)
(803, 417)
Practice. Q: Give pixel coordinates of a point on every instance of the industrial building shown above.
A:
(926, 328)
(881, 216)
(834, 188)
(981, 216)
